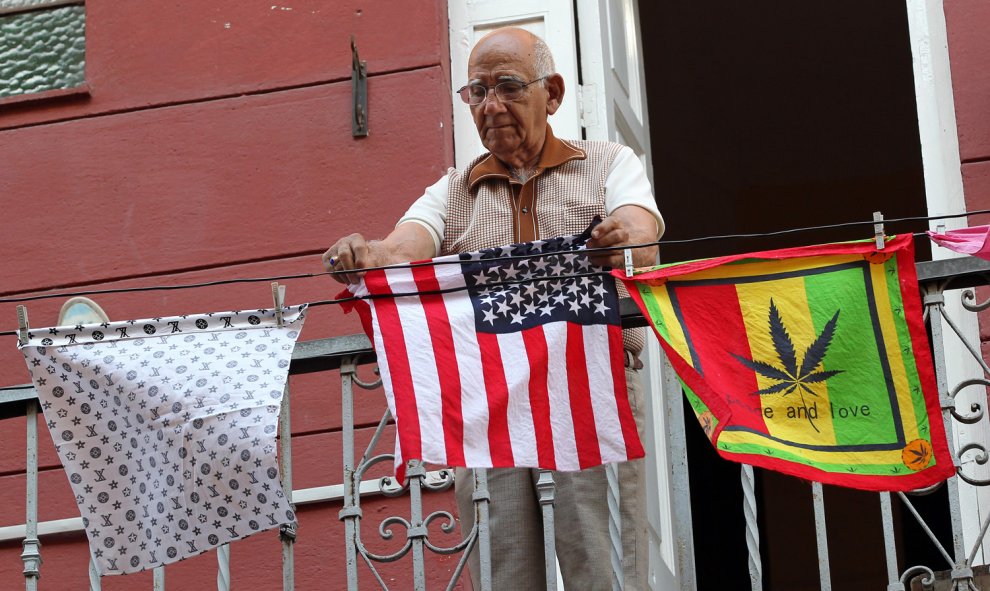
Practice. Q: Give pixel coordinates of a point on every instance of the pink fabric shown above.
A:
(972, 241)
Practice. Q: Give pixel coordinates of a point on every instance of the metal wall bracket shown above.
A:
(359, 93)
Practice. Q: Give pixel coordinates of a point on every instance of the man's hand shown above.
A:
(350, 252)
(408, 242)
(626, 225)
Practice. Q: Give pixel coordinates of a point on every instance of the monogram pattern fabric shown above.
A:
(166, 429)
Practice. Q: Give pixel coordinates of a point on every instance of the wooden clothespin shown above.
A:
(278, 294)
(22, 325)
(878, 234)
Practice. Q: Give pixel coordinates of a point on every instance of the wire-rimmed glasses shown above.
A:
(510, 90)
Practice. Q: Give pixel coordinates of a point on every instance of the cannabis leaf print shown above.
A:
(791, 377)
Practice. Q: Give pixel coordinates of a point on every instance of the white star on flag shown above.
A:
(534, 379)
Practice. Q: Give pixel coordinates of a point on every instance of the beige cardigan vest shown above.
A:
(567, 198)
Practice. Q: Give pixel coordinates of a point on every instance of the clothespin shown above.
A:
(878, 230)
(22, 325)
(278, 294)
(940, 229)
(627, 253)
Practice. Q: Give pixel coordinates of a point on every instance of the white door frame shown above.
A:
(552, 20)
(586, 111)
(614, 108)
(944, 193)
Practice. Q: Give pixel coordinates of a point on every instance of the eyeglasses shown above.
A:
(510, 90)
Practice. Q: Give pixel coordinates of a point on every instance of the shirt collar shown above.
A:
(555, 152)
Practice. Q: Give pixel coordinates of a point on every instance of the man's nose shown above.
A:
(493, 104)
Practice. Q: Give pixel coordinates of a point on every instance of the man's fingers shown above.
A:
(607, 225)
(345, 261)
(331, 261)
(616, 237)
(348, 253)
(611, 233)
(359, 255)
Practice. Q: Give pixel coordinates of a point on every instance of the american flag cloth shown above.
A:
(166, 429)
(496, 362)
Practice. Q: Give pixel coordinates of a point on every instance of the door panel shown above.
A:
(610, 104)
(615, 109)
(551, 20)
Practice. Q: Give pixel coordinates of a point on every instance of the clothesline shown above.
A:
(457, 261)
(216, 406)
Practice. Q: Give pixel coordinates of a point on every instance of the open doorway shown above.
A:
(764, 117)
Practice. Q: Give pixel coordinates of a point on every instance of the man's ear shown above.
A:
(555, 91)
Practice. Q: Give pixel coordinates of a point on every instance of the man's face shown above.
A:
(513, 130)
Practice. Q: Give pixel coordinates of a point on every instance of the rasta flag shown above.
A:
(810, 361)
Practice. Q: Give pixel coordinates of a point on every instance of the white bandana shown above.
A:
(166, 429)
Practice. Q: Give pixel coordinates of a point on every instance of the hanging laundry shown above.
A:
(810, 361)
(518, 365)
(166, 429)
(973, 241)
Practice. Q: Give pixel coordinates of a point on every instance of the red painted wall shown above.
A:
(215, 143)
(969, 45)
(967, 22)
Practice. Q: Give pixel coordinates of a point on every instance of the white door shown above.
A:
(615, 108)
(944, 192)
(551, 20)
(610, 105)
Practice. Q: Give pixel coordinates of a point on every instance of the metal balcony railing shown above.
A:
(963, 400)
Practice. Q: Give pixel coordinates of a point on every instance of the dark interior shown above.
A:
(766, 117)
(776, 115)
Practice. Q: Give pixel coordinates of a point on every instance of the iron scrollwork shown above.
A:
(418, 480)
(966, 455)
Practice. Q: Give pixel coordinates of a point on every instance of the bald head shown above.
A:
(536, 51)
(512, 123)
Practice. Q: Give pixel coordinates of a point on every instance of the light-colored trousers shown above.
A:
(581, 531)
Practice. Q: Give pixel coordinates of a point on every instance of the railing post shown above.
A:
(351, 512)
(94, 576)
(223, 567)
(31, 555)
(680, 484)
(890, 545)
(481, 498)
(546, 489)
(821, 535)
(752, 528)
(287, 533)
(614, 500)
(417, 530)
(935, 302)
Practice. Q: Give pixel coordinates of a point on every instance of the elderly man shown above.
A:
(532, 185)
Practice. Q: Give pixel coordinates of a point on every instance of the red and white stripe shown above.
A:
(549, 397)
